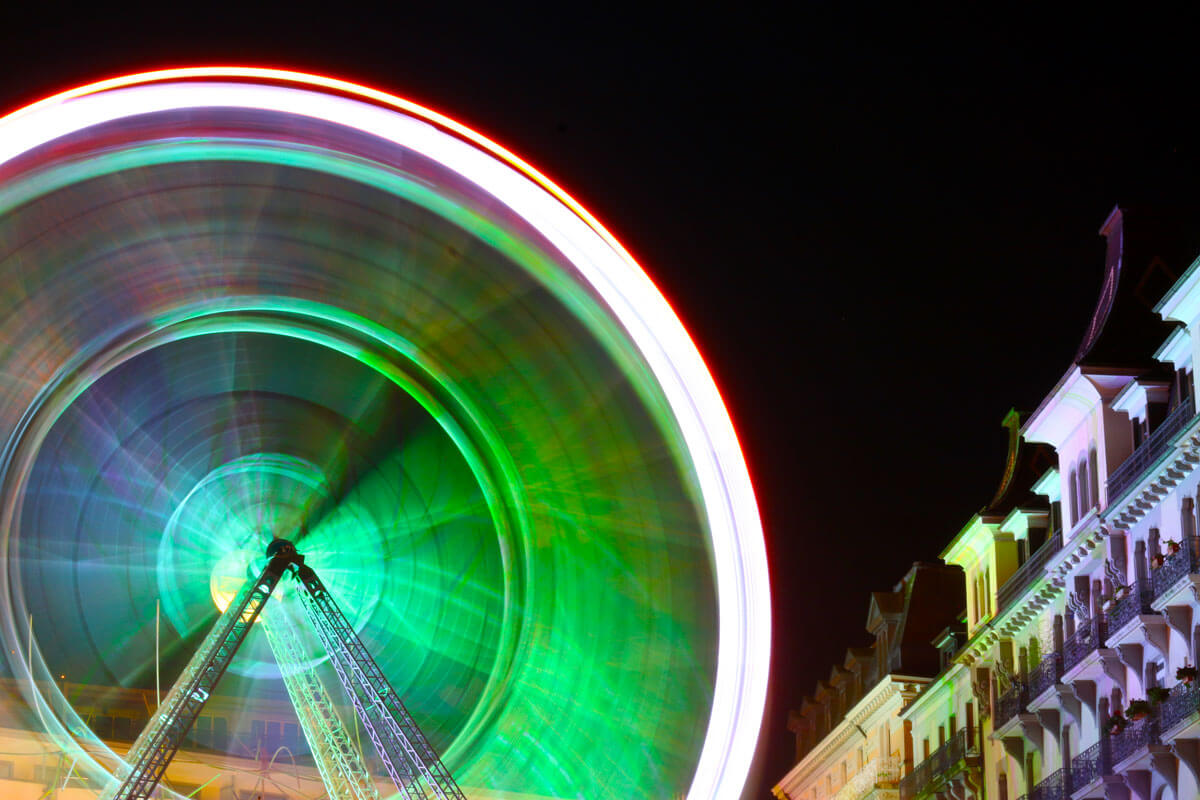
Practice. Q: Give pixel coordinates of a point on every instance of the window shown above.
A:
(220, 740)
(202, 732)
(123, 729)
(102, 726)
(1084, 491)
(291, 735)
(1094, 480)
(1073, 497)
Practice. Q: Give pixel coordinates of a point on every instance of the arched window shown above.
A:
(1094, 472)
(1073, 497)
(1084, 492)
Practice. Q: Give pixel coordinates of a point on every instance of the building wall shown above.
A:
(1060, 638)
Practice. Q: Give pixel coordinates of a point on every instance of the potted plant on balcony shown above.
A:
(1139, 709)
(1157, 694)
(1157, 560)
(1116, 724)
(1172, 547)
(1106, 602)
(1186, 673)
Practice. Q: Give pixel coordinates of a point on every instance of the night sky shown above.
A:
(880, 231)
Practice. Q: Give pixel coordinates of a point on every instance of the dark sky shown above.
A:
(881, 231)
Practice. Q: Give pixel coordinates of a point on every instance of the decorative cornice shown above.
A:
(1079, 549)
(891, 688)
(1180, 462)
(1182, 301)
(1177, 349)
(1040, 595)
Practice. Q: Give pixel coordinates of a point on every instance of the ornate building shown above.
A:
(850, 739)
(1069, 670)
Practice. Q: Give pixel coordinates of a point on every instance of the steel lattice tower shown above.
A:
(407, 755)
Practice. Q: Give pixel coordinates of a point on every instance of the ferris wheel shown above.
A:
(245, 304)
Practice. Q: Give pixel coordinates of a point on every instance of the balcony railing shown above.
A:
(1009, 704)
(1174, 567)
(1086, 639)
(1183, 701)
(1028, 572)
(912, 783)
(1045, 675)
(1138, 734)
(1055, 786)
(941, 763)
(1150, 451)
(1136, 601)
(1092, 764)
(881, 772)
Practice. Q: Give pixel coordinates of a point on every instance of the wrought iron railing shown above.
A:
(1136, 601)
(912, 783)
(941, 763)
(1086, 639)
(1028, 572)
(1045, 675)
(1174, 567)
(1182, 703)
(1092, 764)
(1009, 704)
(1055, 786)
(1150, 451)
(1137, 735)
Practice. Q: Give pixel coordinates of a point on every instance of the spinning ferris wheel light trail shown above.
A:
(226, 296)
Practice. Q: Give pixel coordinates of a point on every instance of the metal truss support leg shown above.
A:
(407, 754)
(339, 762)
(163, 734)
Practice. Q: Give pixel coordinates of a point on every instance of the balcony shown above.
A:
(1150, 451)
(1009, 704)
(1135, 602)
(1086, 640)
(1045, 675)
(1055, 786)
(1091, 765)
(1137, 736)
(1028, 572)
(1175, 567)
(879, 774)
(942, 764)
(1180, 707)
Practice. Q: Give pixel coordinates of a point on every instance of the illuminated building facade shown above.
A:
(850, 738)
(1073, 673)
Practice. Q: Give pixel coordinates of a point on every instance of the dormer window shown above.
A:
(1145, 401)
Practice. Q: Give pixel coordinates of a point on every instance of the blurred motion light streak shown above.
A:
(567, 254)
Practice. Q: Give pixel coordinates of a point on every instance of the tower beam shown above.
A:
(407, 755)
(163, 734)
(339, 762)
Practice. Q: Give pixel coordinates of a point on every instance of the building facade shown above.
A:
(850, 739)
(1070, 669)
